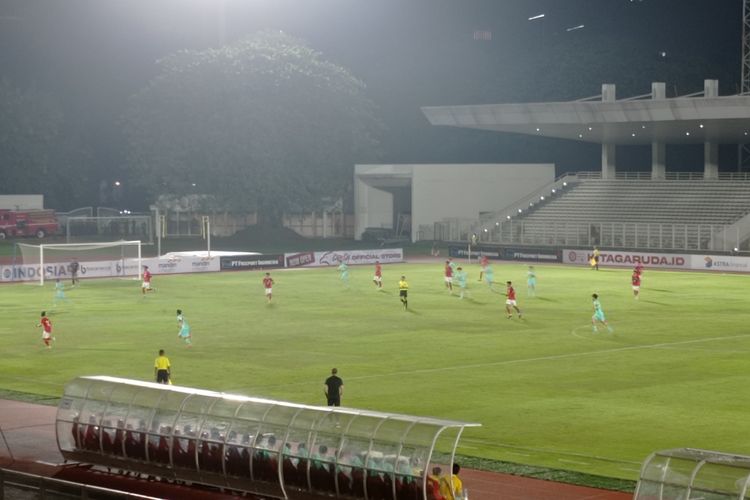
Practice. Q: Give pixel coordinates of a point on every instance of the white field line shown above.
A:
(572, 461)
(518, 450)
(549, 358)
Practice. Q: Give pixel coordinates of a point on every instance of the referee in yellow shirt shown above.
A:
(403, 289)
(162, 368)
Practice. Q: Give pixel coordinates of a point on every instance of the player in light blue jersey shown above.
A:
(531, 282)
(59, 292)
(489, 276)
(599, 315)
(344, 270)
(462, 277)
(184, 333)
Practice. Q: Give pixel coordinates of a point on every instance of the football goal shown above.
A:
(38, 263)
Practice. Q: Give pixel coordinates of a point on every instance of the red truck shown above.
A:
(39, 223)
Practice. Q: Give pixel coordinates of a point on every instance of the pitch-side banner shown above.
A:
(109, 268)
(182, 264)
(630, 259)
(351, 257)
(721, 263)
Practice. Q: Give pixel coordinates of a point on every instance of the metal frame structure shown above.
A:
(692, 473)
(261, 446)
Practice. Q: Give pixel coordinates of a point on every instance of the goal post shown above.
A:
(106, 259)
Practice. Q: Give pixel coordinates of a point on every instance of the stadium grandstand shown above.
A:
(644, 210)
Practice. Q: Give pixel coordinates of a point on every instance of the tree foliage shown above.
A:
(264, 123)
(40, 155)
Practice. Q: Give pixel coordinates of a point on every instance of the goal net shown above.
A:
(39, 263)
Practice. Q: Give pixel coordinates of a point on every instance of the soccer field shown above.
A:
(547, 390)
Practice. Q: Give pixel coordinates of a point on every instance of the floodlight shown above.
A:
(565, 184)
(520, 210)
(541, 198)
(486, 230)
(580, 136)
(701, 125)
(537, 129)
(534, 18)
(554, 191)
(117, 183)
(687, 133)
(736, 249)
(507, 217)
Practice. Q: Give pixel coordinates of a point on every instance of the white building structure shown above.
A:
(422, 195)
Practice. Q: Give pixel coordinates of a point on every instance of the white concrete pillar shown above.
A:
(658, 160)
(608, 161)
(658, 90)
(658, 149)
(609, 94)
(710, 88)
(710, 160)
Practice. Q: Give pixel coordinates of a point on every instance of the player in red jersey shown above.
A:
(146, 285)
(639, 268)
(484, 262)
(378, 278)
(46, 325)
(449, 276)
(510, 301)
(636, 280)
(268, 284)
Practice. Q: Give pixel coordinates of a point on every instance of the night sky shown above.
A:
(91, 55)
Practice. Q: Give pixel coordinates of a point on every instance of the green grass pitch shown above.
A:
(546, 389)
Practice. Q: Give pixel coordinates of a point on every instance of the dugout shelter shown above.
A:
(261, 446)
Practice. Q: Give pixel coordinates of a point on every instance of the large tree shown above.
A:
(39, 153)
(264, 124)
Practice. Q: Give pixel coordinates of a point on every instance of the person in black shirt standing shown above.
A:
(333, 388)
(74, 271)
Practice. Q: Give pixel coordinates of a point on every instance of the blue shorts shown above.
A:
(185, 332)
(531, 281)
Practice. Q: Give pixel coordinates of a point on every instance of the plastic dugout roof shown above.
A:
(78, 388)
(159, 409)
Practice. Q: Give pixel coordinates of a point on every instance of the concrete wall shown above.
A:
(442, 191)
(373, 207)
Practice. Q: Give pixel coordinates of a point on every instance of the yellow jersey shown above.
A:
(161, 363)
(445, 488)
(403, 285)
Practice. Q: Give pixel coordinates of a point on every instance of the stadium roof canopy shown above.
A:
(700, 118)
(684, 120)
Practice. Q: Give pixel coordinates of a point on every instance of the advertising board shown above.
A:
(249, 262)
(110, 268)
(351, 257)
(721, 263)
(508, 253)
(616, 258)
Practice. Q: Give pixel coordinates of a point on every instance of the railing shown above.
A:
(14, 484)
(695, 237)
(532, 198)
(493, 226)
